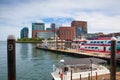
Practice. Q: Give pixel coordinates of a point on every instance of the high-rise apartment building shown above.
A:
(53, 26)
(37, 27)
(81, 27)
(24, 33)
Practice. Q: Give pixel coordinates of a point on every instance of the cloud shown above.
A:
(101, 15)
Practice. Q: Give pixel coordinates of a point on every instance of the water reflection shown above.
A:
(24, 50)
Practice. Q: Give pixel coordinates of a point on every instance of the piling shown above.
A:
(96, 76)
(80, 76)
(113, 59)
(89, 76)
(11, 60)
(71, 74)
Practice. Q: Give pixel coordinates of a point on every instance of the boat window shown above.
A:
(98, 42)
(101, 41)
(91, 42)
(118, 42)
(94, 41)
(109, 41)
(96, 47)
(88, 47)
(85, 47)
(92, 47)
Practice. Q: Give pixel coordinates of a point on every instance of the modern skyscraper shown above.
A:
(53, 26)
(37, 27)
(48, 29)
(24, 32)
(81, 27)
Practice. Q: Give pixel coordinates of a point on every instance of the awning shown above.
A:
(83, 61)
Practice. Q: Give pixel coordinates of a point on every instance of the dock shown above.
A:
(78, 53)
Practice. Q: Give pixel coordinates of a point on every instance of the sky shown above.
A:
(101, 15)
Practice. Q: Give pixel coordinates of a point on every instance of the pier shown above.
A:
(78, 53)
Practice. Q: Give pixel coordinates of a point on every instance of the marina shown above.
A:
(63, 73)
(77, 53)
(99, 47)
(32, 63)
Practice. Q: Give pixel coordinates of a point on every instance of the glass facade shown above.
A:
(24, 32)
(45, 35)
(79, 31)
(53, 26)
(48, 29)
(38, 26)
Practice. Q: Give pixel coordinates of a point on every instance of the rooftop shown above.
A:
(83, 61)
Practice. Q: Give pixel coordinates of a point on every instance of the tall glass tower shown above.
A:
(24, 33)
(38, 26)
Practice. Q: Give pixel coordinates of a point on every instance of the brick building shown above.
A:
(37, 27)
(81, 27)
(67, 33)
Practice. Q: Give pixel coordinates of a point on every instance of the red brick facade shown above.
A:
(79, 24)
(67, 33)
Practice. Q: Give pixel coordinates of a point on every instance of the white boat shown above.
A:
(102, 45)
(83, 67)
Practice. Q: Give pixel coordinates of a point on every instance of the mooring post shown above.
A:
(96, 75)
(80, 76)
(11, 60)
(71, 74)
(88, 76)
(113, 59)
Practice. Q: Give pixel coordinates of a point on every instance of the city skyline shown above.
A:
(101, 16)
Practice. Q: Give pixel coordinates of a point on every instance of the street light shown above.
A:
(91, 67)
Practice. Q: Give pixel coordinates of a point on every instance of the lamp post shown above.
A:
(91, 67)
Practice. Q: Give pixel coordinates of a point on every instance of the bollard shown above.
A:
(113, 60)
(11, 60)
(80, 76)
(96, 76)
(89, 76)
(71, 74)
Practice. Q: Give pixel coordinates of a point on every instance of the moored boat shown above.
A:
(83, 67)
(102, 45)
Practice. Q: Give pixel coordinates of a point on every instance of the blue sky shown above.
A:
(101, 15)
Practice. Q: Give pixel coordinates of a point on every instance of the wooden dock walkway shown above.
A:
(76, 52)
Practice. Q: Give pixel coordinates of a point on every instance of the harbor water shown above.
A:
(31, 63)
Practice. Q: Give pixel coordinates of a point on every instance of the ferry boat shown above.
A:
(99, 45)
(76, 67)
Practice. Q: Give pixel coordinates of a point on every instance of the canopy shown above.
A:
(83, 61)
